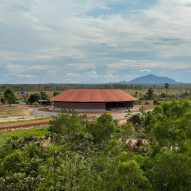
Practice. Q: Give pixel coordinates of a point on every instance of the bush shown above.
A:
(156, 102)
(34, 98)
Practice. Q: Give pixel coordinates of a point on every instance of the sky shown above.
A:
(94, 41)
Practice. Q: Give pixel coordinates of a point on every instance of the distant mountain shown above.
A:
(152, 79)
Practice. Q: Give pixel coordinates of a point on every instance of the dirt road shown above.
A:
(24, 124)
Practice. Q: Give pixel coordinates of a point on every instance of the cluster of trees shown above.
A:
(34, 98)
(79, 155)
(9, 97)
(150, 93)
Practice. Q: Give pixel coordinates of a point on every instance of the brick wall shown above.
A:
(70, 105)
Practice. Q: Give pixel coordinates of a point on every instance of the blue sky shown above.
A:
(94, 41)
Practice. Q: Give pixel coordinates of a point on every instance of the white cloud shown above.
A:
(31, 18)
(71, 74)
(122, 64)
(92, 74)
(44, 33)
(81, 66)
(25, 76)
(145, 70)
(15, 68)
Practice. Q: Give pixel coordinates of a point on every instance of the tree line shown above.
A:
(9, 97)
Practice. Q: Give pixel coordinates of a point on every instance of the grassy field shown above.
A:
(173, 90)
(14, 110)
(37, 132)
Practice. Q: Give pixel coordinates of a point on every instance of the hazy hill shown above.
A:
(151, 79)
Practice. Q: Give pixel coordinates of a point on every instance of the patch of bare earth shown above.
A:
(25, 124)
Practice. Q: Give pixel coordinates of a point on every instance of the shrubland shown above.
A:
(79, 155)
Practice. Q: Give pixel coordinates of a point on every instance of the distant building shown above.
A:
(44, 102)
(93, 100)
(23, 93)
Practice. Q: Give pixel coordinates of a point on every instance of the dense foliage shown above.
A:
(79, 155)
(34, 98)
(9, 96)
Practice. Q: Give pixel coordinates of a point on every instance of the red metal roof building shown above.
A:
(91, 100)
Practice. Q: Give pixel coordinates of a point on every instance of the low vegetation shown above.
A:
(7, 111)
(152, 152)
(38, 132)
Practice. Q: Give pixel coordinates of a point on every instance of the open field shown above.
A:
(20, 113)
(158, 90)
(14, 110)
(37, 132)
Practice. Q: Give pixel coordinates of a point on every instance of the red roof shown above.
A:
(93, 95)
